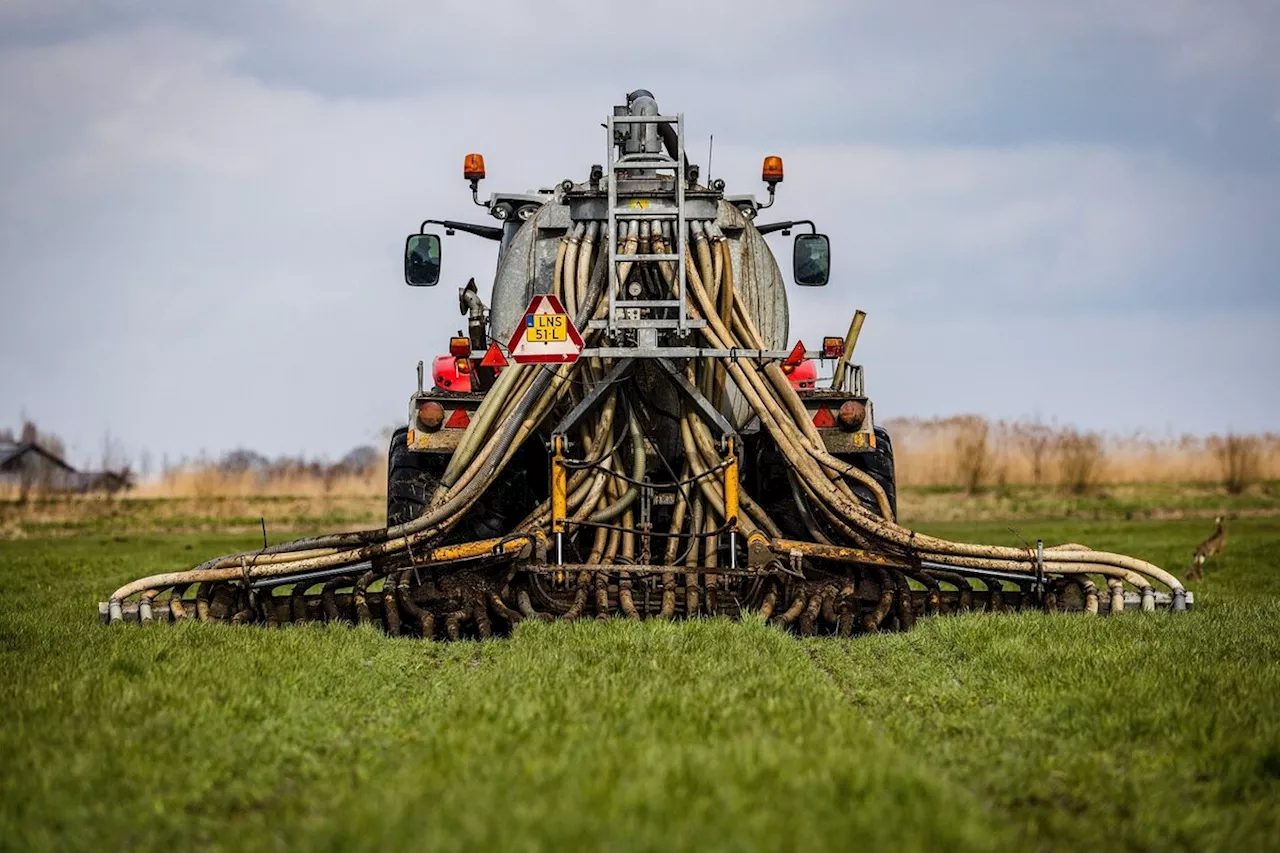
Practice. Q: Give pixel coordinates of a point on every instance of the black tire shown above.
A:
(777, 497)
(879, 464)
(411, 478)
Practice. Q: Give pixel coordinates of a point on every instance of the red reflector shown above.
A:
(824, 418)
(459, 347)
(832, 347)
(797, 354)
(493, 357)
(458, 420)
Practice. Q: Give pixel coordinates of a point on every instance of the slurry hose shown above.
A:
(773, 404)
(316, 553)
(599, 494)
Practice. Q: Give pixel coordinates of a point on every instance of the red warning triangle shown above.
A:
(545, 334)
(796, 356)
(823, 418)
(493, 357)
(458, 420)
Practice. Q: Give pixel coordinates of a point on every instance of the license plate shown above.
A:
(547, 329)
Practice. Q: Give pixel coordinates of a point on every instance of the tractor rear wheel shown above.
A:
(411, 478)
(879, 464)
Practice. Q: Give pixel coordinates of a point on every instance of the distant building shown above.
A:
(27, 467)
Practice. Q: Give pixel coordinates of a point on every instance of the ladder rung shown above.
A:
(645, 119)
(647, 303)
(636, 258)
(644, 214)
(619, 323)
(655, 163)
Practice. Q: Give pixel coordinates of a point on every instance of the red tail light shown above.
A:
(852, 414)
(431, 415)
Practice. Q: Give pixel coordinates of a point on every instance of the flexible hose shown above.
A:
(524, 396)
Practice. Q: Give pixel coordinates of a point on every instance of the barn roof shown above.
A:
(7, 449)
(10, 451)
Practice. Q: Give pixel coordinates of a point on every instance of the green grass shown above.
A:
(97, 515)
(1103, 502)
(1032, 732)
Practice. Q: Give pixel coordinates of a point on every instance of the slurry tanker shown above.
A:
(626, 430)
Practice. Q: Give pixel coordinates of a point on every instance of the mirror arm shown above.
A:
(785, 227)
(488, 232)
(769, 203)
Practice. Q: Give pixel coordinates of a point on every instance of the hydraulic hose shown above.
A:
(521, 401)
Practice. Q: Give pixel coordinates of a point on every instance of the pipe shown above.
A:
(629, 495)
(328, 599)
(568, 286)
(642, 103)
(871, 624)
(175, 603)
(963, 587)
(390, 607)
(792, 612)
(424, 620)
(360, 595)
(526, 607)
(769, 602)
(850, 341)
(520, 400)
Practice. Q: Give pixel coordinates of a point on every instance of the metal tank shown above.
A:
(666, 463)
(526, 265)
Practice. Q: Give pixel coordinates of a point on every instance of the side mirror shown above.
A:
(811, 260)
(422, 260)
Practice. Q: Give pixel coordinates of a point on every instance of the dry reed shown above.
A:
(211, 482)
(967, 452)
(970, 452)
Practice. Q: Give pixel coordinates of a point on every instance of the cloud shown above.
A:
(202, 205)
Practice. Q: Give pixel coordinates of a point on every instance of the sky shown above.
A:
(1063, 211)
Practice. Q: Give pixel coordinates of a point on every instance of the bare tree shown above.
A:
(972, 452)
(1081, 456)
(117, 469)
(114, 454)
(1238, 460)
(1036, 440)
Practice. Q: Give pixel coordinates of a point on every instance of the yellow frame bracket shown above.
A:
(559, 495)
(731, 486)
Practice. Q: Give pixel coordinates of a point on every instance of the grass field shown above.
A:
(79, 515)
(1141, 732)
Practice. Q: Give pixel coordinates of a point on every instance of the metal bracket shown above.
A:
(1040, 572)
(589, 402)
(703, 405)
